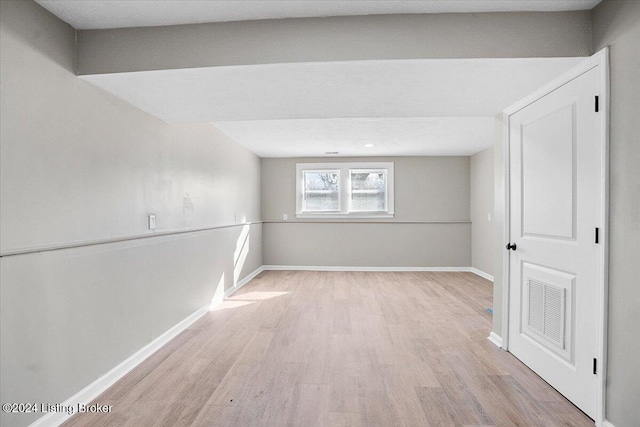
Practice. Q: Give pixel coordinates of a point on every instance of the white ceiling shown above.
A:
(405, 107)
(410, 136)
(398, 88)
(96, 14)
(409, 107)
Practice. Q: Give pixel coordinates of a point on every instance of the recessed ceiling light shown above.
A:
(369, 145)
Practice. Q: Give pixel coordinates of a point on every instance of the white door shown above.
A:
(555, 161)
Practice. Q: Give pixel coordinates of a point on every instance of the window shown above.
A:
(368, 190)
(344, 190)
(321, 191)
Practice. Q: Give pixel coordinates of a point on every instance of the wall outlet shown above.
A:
(152, 221)
(285, 217)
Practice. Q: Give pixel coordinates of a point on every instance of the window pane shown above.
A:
(321, 191)
(368, 190)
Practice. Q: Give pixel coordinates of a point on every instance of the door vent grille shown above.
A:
(546, 311)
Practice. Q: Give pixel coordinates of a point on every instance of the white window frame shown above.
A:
(345, 169)
(319, 171)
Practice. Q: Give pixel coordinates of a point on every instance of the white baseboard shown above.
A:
(606, 423)
(100, 385)
(244, 281)
(481, 274)
(495, 338)
(340, 268)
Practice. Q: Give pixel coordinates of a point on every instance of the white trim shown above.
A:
(606, 423)
(506, 229)
(244, 281)
(481, 273)
(345, 268)
(355, 215)
(495, 338)
(99, 386)
(603, 309)
(601, 58)
(584, 66)
(150, 234)
(372, 221)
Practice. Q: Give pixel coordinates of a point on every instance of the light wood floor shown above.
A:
(339, 349)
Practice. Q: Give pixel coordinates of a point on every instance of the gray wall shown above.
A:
(427, 189)
(90, 167)
(481, 191)
(79, 165)
(617, 24)
(478, 35)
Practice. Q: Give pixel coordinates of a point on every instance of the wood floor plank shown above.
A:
(342, 374)
(531, 410)
(343, 419)
(312, 404)
(125, 384)
(341, 317)
(284, 395)
(236, 385)
(503, 408)
(375, 406)
(437, 407)
(119, 414)
(399, 385)
(466, 407)
(217, 416)
(566, 415)
(177, 415)
(305, 348)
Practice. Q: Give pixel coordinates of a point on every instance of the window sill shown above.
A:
(359, 215)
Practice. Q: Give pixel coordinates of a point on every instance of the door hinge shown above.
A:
(595, 366)
(597, 103)
(597, 235)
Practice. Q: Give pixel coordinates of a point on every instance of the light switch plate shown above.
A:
(152, 221)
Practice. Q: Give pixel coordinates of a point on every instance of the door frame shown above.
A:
(601, 58)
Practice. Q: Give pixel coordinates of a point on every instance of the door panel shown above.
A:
(548, 175)
(554, 177)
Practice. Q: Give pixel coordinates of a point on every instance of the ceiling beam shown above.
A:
(373, 37)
